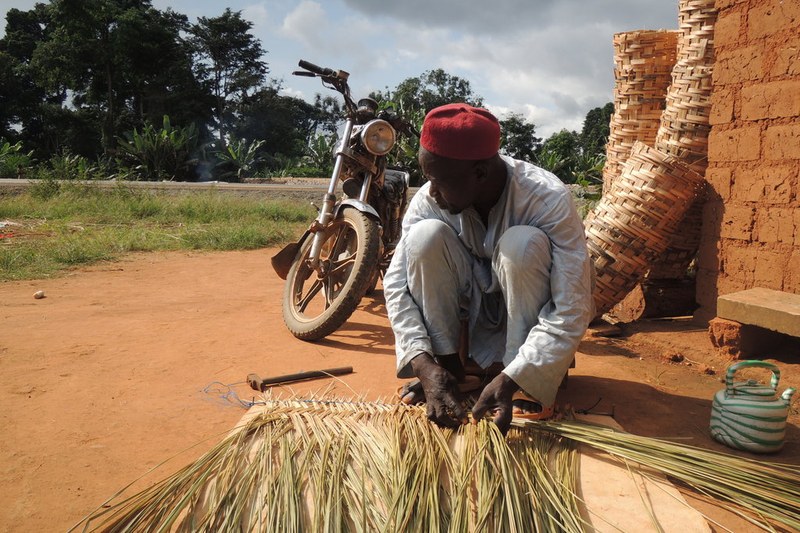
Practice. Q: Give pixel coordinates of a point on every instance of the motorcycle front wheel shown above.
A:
(317, 303)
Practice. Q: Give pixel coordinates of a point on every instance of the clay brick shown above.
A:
(738, 65)
(722, 101)
(769, 185)
(737, 222)
(720, 180)
(791, 280)
(780, 181)
(787, 60)
(727, 29)
(771, 100)
(772, 17)
(707, 291)
(739, 263)
(725, 336)
(741, 144)
(796, 223)
(738, 282)
(774, 225)
(748, 185)
(708, 256)
(782, 142)
(725, 4)
(769, 270)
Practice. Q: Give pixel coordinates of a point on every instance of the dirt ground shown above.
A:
(125, 365)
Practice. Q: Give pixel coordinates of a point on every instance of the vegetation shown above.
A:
(142, 93)
(59, 224)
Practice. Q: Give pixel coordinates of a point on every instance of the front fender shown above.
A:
(282, 261)
(358, 204)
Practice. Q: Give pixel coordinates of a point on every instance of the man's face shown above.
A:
(454, 183)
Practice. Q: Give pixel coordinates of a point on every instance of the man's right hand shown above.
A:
(441, 392)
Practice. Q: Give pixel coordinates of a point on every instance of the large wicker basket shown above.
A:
(635, 219)
(684, 126)
(643, 62)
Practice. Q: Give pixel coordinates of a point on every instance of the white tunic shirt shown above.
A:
(532, 197)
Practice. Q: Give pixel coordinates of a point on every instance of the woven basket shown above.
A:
(643, 62)
(684, 128)
(674, 263)
(635, 219)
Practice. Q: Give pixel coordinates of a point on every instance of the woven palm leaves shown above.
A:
(309, 465)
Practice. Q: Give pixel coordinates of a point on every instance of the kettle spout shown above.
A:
(787, 395)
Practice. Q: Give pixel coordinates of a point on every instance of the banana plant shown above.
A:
(160, 154)
(238, 160)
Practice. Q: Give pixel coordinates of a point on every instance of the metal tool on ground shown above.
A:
(259, 384)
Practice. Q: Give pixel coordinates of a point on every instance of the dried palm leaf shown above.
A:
(313, 465)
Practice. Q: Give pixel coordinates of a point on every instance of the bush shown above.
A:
(160, 154)
(13, 161)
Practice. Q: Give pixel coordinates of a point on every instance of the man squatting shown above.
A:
(493, 252)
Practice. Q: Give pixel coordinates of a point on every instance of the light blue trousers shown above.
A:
(501, 297)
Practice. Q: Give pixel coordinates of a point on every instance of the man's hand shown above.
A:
(441, 392)
(496, 398)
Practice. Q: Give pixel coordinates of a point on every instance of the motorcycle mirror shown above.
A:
(303, 73)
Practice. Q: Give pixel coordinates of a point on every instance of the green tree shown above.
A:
(594, 133)
(431, 89)
(285, 124)
(20, 96)
(565, 148)
(517, 137)
(229, 61)
(122, 63)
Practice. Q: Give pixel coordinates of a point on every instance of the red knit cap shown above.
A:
(460, 131)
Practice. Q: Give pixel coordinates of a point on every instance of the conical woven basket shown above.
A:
(674, 263)
(643, 62)
(684, 126)
(635, 220)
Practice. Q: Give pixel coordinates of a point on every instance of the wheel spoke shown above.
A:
(303, 302)
(337, 239)
(338, 266)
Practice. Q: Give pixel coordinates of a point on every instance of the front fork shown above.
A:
(329, 202)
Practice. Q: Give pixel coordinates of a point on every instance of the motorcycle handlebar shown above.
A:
(311, 67)
(322, 71)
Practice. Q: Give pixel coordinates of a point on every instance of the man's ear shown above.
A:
(481, 170)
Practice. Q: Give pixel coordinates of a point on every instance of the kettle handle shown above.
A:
(776, 373)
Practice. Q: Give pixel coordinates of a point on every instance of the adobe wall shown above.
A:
(751, 221)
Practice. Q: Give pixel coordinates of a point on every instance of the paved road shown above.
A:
(296, 189)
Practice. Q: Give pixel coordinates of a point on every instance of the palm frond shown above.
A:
(316, 465)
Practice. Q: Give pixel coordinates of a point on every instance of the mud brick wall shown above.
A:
(751, 222)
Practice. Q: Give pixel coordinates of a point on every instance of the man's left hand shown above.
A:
(496, 398)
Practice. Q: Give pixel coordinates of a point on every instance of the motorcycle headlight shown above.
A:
(378, 137)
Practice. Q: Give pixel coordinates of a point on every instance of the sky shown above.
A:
(550, 61)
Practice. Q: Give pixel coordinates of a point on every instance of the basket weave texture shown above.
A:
(635, 219)
(643, 62)
(635, 227)
(684, 126)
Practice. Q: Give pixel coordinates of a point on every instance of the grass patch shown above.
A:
(67, 224)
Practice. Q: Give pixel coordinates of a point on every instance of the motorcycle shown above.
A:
(348, 247)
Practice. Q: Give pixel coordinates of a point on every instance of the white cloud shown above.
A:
(258, 14)
(304, 22)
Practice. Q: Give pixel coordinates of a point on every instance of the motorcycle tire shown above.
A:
(315, 306)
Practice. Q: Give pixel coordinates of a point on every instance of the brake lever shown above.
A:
(305, 73)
